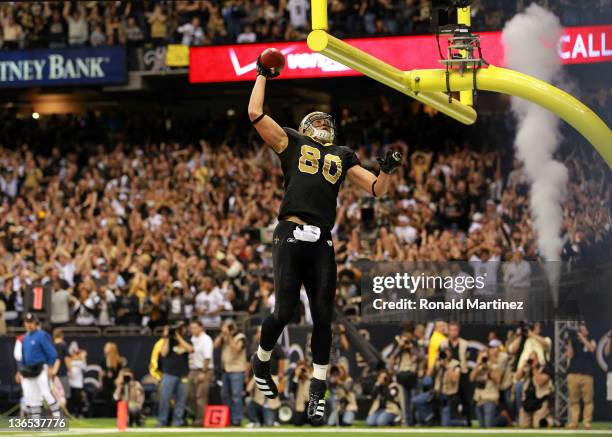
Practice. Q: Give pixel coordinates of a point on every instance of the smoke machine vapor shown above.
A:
(530, 39)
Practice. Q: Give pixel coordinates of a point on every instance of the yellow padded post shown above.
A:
(464, 17)
(319, 14)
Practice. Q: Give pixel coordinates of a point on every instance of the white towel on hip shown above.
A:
(307, 233)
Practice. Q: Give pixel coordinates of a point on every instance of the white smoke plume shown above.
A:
(530, 40)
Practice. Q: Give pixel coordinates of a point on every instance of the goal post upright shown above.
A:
(464, 17)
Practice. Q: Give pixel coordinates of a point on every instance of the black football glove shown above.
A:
(266, 72)
(390, 162)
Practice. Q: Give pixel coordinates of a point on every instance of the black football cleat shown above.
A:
(316, 402)
(263, 378)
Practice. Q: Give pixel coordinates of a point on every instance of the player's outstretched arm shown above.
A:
(268, 129)
(367, 181)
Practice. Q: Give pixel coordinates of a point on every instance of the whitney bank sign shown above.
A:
(25, 68)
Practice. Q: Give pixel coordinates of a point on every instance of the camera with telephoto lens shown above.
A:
(443, 355)
(174, 329)
(231, 327)
(127, 378)
(571, 332)
(484, 360)
(523, 329)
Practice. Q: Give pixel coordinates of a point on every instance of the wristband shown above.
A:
(374, 183)
(258, 119)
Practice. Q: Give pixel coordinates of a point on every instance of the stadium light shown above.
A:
(428, 86)
(35, 115)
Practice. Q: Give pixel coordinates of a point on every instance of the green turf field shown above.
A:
(107, 427)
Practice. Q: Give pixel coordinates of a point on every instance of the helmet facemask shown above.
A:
(323, 136)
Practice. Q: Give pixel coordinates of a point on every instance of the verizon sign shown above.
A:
(237, 62)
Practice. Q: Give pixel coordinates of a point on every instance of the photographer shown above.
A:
(423, 402)
(130, 390)
(299, 386)
(385, 408)
(175, 352)
(447, 378)
(343, 402)
(528, 340)
(233, 363)
(487, 374)
(406, 358)
(537, 382)
(581, 353)
(506, 403)
(457, 348)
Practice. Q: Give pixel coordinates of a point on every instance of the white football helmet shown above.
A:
(325, 137)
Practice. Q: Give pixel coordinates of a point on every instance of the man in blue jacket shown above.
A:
(36, 360)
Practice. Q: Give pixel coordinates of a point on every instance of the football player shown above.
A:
(314, 167)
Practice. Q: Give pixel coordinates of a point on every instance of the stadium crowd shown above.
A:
(163, 220)
(58, 24)
(146, 231)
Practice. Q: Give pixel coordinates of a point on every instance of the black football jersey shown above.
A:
(313, 175)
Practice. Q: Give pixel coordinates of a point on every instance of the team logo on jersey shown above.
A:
(329, 243)
(291, 240)
(276, 240)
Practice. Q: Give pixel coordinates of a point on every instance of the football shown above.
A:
(273, 58)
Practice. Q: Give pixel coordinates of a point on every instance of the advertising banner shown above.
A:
(228, 63)
(82, 66)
